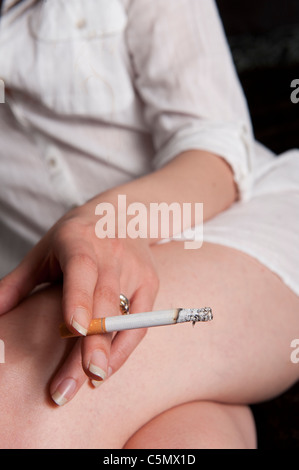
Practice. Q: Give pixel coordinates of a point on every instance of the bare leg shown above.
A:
(242, 356)
(198, 425)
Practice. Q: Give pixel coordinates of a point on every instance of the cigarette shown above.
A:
(142, 320)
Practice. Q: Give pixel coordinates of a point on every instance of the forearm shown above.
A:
(96, 271)
(192, 177)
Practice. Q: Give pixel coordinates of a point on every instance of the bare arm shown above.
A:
(193, 176)
(96, 271)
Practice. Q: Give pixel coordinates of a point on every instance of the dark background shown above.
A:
(264, 39)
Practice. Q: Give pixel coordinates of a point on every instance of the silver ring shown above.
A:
(124, 304)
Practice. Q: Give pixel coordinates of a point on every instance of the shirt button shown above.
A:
(52, 159)
(52, 162)
(81, 23)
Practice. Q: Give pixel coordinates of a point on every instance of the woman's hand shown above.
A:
(94, 273)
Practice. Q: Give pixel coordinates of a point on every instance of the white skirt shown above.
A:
(266, 226)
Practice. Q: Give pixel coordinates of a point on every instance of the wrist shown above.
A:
(119, 216)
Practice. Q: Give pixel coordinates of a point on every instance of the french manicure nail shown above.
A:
(64, 391)
(79, 319)
(98, 364)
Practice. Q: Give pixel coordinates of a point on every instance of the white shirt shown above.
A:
(103, 91)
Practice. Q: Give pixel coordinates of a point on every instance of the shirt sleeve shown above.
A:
(186, 78)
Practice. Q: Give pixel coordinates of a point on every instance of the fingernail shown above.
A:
(98, 364)
(64, 391)
(79, 320)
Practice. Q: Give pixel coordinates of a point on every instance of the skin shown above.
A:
(211, 372)
(95, 271)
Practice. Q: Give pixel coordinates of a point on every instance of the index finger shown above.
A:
(80, 275)
(96, 348)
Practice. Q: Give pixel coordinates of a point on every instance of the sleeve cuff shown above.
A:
(230, 141)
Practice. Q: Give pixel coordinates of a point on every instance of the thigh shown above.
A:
(198, 425)
(241, 357)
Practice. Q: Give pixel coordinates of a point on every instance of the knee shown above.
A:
(198, 425)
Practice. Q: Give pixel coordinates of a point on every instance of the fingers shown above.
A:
(101, 358)
(70, 377)
(125, 342)
(80, 275)
(96, 349)
(90, 356)
(94, 275)
(97, 357)
(90, 289)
